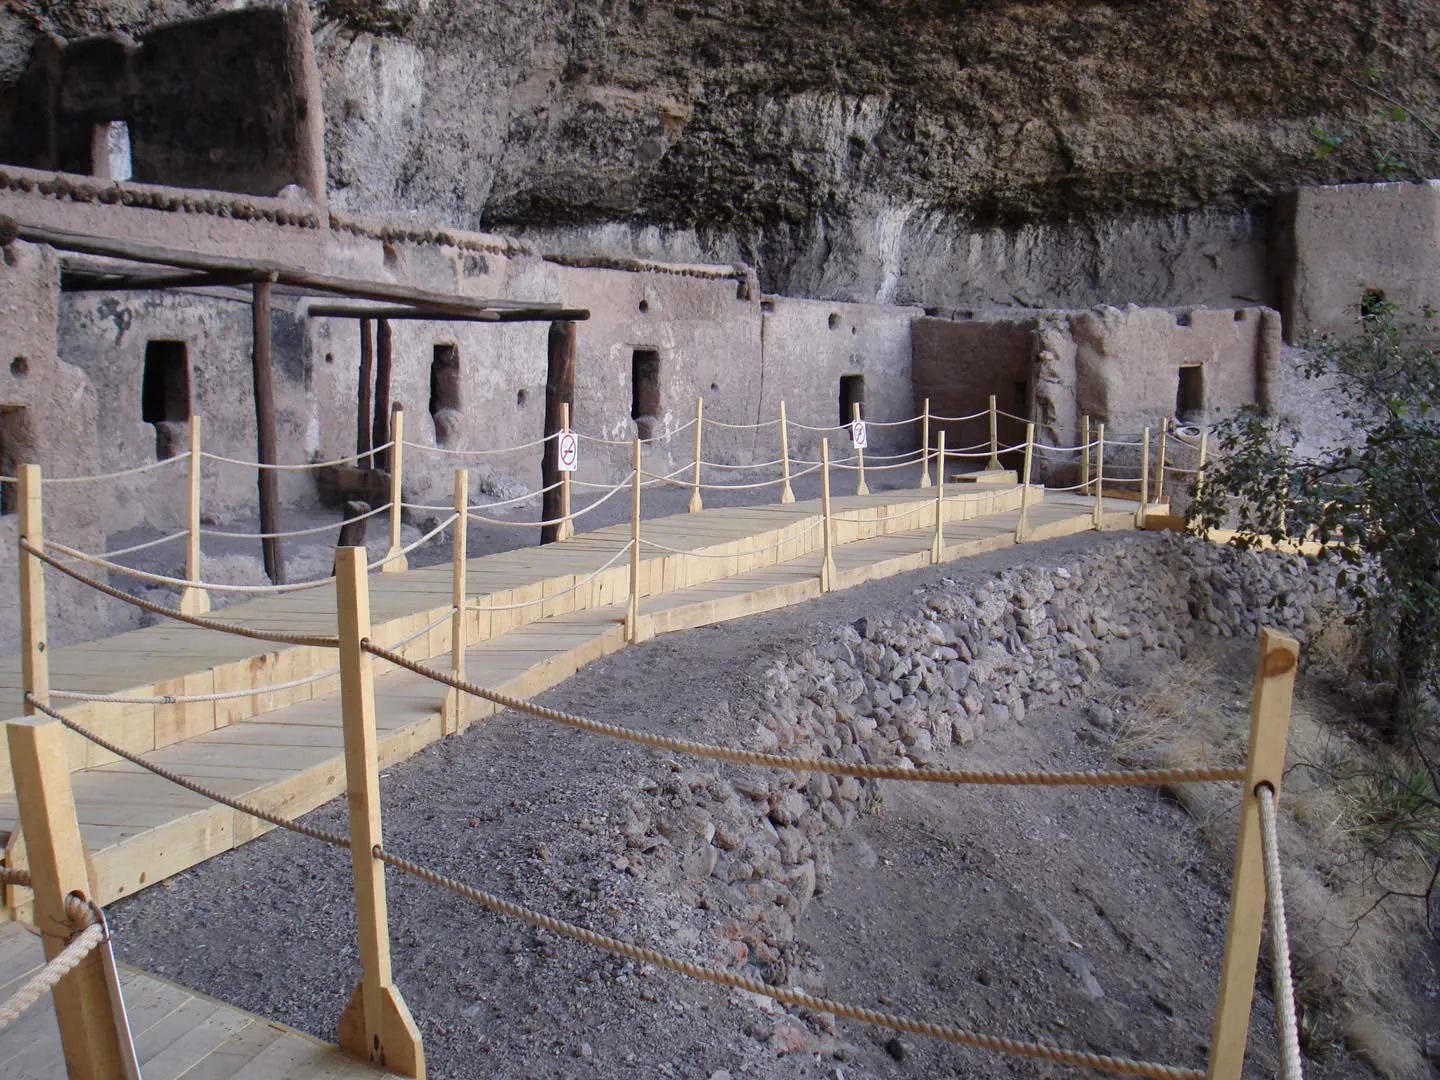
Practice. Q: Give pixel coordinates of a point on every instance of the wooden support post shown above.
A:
(1100, 476)
(566, 527)
(559, 404)
(994, 462)
(827, 562)
(90, 1023)
(1022, 524)
(394, 561)
(1085, 455)
(1160, 468)
(453, 713)
(937, 546)
(695, 501)
(1144, 477)
(1200, 465)
(376, 1025)
(363, 443)
(1265, 764)
(787, 494)
(34, 635)
(269, 482)
(632, 610)
(384, 363)
(925, 443)
(193, 599)
(861, 488)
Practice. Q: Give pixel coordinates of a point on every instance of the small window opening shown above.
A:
(445, 392)
(645, 391)
(834, 320)
(644, 306)
(165, 395)
(1240, 314)
(110, 151)
(521, 396)
(1190, 394)
(1372, 303)
(20, 366)
(1021, 398)
(14, 450)
(852, 393)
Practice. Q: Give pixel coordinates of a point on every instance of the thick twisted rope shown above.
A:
(1096, 778)
(44, 980)
(479, 453)
(1287, 1028)
(347, 460)
(798, 998)
(120, 473)
(297, 532)
(313, 640)
(133, 548)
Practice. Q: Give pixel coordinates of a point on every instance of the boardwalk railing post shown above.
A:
(1022, 524)
(937, 546)
(1099, 476)
(1160, 467)
(90, 1025)
(787, 495)
(34, 660)
(376, 1025)
(925, 443)
(566, 528)
(827, 561)
(861, 488)
(452, 715)
(193, 599)
(1144, 477)
(695, 501)
(1085, 455)
(1269, 728)
(994, 462)
(394, 561)
(632, 610)
(1200, 465)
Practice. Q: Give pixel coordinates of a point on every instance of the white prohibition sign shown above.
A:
(567, 450)
(857, 434)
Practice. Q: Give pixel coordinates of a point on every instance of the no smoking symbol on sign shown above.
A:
(568, 447)
(857, 434)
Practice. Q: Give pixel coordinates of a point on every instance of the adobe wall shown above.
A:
(960, 363)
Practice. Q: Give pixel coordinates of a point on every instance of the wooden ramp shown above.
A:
(176, 1032)
(282, 749)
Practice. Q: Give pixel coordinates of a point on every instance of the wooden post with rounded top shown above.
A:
(827, 562)
(787, 495)
(1099, 476)
(695, 501)
(994, 462)
(1022, 523)
(861, 488)
(566, 528)
(1160, 467)
(193, 599)
(376, 1025)
(452, 712)
(1264, 766)
(34, 661)
(925, 443)
(1200, 465)
(90, 1025)
(1144, 477)
(1085, 454)
(394, 561)
(937, 546)
(632, 610)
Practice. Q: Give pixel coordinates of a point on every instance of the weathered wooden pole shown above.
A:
(193, 599)
(827, 562)
(1144, 477)
(1160, 468)
(394, 560)
(376, 1025)
(269, 482)
(384, 364)
(1085, 455)
(925, 444)
(34, 636)
(696, 503)
(1264, 767)
(364, 442)
(787, 494)
(1100, 476)
(937, 548)
(559, 405)
(1022, 524)
(565, 529)
(452, 718)
(994, 462)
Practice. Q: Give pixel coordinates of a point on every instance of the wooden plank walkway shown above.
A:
(176, 1032)
(282, 750)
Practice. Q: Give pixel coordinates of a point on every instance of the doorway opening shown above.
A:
(165, 395)
(645, 391)
(852, 393)
(445, 392)
(14, 451)
(1190, 394)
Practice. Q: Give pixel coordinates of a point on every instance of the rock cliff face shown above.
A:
(950, 153)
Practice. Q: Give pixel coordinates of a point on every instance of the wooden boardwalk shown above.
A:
(282, 749)
(176, 1032)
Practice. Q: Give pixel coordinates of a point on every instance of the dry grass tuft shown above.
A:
(1386, 1048)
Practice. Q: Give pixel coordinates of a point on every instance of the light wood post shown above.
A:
(90, 1031)
(394, 561)
(566, 527)
(787, 495)
(1160, 468)
(937, 546)
(827, 562)
(34, 636)
(1144, 477)
(925, 443)
(994, 462)
(1022, 524)
(695, 501)
(1269, 727)
(452, 715)
(1200, 465)
(861, 488)
(1085, 455)
(1099, 476)
(193, 599)
(632, 611)
(376, 1025)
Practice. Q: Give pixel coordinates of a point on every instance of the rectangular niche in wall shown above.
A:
(15, 449)
(1190, 394)
(165, 395)
(645, 391)
(445, 392)
(852, 393)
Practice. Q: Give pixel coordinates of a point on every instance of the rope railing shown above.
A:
(756, 465)
(610, 491)
(476, 605)
(806, 531)
(45, 980)
(348, 459)
(1287, 1028)
(743, 427)
(514, 500)
(288, 533)
(119, 473)
(448, 451)
(147, 545)
(936, 417)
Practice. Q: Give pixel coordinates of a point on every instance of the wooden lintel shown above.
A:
(528, 314)
(73, 281)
